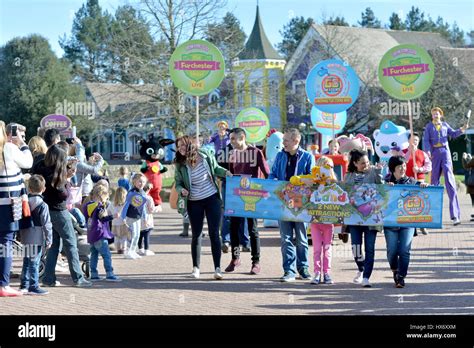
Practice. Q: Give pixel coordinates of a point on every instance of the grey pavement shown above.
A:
(440, 280)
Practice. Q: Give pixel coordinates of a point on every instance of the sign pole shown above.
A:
(410, 118)
(197, 121)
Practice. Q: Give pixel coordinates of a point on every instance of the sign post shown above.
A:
(197, 67)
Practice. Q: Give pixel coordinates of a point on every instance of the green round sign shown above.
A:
(255, 123)
(406, 71)
(197, 67)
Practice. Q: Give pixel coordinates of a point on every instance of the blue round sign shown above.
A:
(332, 86)
(323, 121)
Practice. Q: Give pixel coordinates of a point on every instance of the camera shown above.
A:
(14, 130)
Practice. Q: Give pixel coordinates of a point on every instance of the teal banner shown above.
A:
(363, 204)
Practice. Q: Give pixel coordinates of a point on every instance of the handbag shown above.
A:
(470, 178)
(17, 203)
(174, 197)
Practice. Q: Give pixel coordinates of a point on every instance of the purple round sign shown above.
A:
(60, 122)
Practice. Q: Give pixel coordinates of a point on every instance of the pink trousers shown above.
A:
(321, 234)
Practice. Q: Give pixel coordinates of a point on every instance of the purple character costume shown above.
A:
(435, 143)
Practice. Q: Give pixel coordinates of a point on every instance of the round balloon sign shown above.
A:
(406, 71)
(197, 67)
(255, 123)
(323, 121)
(332, 86)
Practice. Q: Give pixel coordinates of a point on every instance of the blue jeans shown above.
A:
(80, 218)
(101, 247)
(62, 230)
(398, 248)
(244, 238)
(6, 239)
(365, 265)
(135, 226)
(294, 258)
(30, 272)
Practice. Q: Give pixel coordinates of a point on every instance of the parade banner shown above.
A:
(406, 71)
(363, 204)
(197, 67)
(254, 122)
(332, 86)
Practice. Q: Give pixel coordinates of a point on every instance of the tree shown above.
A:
(130, 46)
(86, 48)
(456, 37)
(442, 27)
(292, 34)
(415, 20)
(34, 80)
(396, 22)
(471, 37)
(369, 20)
(340, 21)
(228, 36)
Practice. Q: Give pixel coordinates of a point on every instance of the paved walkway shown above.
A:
(440, 280)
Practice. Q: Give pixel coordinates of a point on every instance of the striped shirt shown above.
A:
(202, 185)
(11, 178)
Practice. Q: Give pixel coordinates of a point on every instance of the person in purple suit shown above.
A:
(435, 143)
(220, 139)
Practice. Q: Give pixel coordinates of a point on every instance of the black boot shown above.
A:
(185, 230)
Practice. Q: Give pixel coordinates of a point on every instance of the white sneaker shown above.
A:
(358, 278)
(135, 255)
(456, 221)
(141, 252)
(316, 279)
(366, 283)
(195, 273)
(128, 256)
(218, 274)
(149, 253)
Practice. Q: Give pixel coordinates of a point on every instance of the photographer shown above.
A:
(15, 155)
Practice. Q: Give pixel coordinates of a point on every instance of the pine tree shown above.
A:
(369, 20)
(292, 34)
(396, 22)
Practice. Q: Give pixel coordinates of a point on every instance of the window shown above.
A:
(135, 140)
(119, 145)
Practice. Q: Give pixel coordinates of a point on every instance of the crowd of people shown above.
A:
(50, 193)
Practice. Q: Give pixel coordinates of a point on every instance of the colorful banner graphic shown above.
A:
(363, 204)
(332, 86)
(255, 123)
(323, 123)
(197, 67)
(406, 72)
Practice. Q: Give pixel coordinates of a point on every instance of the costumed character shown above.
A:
(151, 152)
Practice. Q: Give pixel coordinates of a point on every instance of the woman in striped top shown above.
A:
(195, 176)
(15, 156)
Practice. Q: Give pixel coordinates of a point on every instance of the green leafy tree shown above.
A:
(369, 20)
(456, 37)
(340, 21)
(293, 33)
(396, 22)
(131, 44)
(415, 20)
(86, 49)
(228, 36)
(34, 81)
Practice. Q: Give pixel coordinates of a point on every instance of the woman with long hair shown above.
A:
(196, 180)
(54, 170)
(14, 156)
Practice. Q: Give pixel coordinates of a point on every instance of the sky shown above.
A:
(53, 18)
